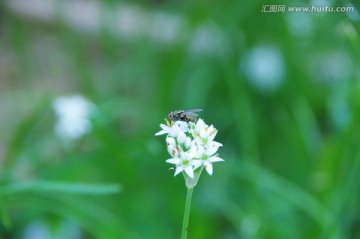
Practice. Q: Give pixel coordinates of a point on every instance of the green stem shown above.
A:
(186, 213)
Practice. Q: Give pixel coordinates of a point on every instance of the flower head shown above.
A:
(192, 148)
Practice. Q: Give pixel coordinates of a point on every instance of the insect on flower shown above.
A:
(184, 115)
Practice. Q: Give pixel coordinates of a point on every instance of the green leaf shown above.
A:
(62, 187)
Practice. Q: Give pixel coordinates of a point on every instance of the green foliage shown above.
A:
(292, 155)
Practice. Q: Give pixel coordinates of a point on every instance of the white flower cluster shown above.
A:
(73, 116)
(191, 146)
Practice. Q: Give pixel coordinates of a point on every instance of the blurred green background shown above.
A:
(283, 89)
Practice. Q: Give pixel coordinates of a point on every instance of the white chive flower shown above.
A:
(208, 156)
(73, 116)
(191, 147)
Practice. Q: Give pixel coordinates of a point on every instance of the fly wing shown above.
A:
(189, 113)
(193, 110)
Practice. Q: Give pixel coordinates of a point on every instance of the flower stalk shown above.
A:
(186, 213)
(192, 148)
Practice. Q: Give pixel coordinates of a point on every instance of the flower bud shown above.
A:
(187, 143)
(181, 137)
(170, 141)
(172, 150)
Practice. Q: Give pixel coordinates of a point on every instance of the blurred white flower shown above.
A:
(300, 23)
(264, 68)
(41, 230)
(335, 66)
(165, 28)
(321, 3)
(208, 40)
(191, 147)
(250, 226)
(339, 107)
(73, 113)
(353, 15)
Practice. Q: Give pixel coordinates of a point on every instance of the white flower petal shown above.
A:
(215, 159)
(178, 170)
(212, 134)
(189, 171)
(181, 138)
(212, 150)
(174, 131)
(192, 153)
(174, 161)
(196, 163)
(200, 150)
(188, 143)
(195, 142)
(203, 133)
(165, 130)
(209, 168)
(216, 143)
(183, 126)
(164, 127)
(161, 132)
(200, 124)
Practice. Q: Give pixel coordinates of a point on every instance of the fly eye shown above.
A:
(170, 116)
